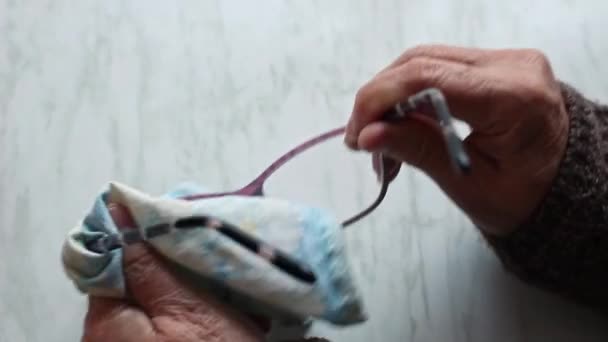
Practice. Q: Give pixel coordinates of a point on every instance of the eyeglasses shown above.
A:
(430, 102)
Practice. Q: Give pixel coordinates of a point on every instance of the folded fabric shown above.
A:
(310, 235)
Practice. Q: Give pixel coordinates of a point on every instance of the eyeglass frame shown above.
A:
(427, 101)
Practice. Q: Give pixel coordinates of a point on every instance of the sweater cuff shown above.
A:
(563, 247)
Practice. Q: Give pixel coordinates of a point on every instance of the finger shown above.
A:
(150, 283)
(467, 89)
(145, 279)
(464, 55)
(417, 141)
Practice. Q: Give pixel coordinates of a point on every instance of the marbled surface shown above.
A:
(155, 92)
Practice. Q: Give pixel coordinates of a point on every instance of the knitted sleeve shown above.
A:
(563, 247)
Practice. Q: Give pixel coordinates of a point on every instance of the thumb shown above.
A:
(416, 141)
(160, 292)
(149, 280)
(148, 283)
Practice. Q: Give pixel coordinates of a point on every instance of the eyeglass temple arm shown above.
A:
(383, 190)
(256, 187)
(421, 101)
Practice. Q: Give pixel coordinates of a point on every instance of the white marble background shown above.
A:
(155, 92)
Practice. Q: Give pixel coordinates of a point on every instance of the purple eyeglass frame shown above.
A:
(429, 101)
(386, 169)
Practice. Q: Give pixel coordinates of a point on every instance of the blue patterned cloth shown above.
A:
(217, 263)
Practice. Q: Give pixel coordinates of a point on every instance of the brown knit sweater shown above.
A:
(563, 247)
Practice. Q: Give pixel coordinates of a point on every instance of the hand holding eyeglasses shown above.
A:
(512, 102)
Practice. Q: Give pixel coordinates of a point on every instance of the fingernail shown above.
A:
(121, 216)
(114, 210)
(351, 142)
(350, 139)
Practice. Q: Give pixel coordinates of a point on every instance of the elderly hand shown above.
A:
(513, 104)
(162, 308)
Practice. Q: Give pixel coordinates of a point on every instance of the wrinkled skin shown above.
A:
(513, 104)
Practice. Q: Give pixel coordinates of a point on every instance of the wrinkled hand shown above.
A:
(513, 104)
(162, 308)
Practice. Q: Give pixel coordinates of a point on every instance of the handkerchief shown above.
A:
(239, 276)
